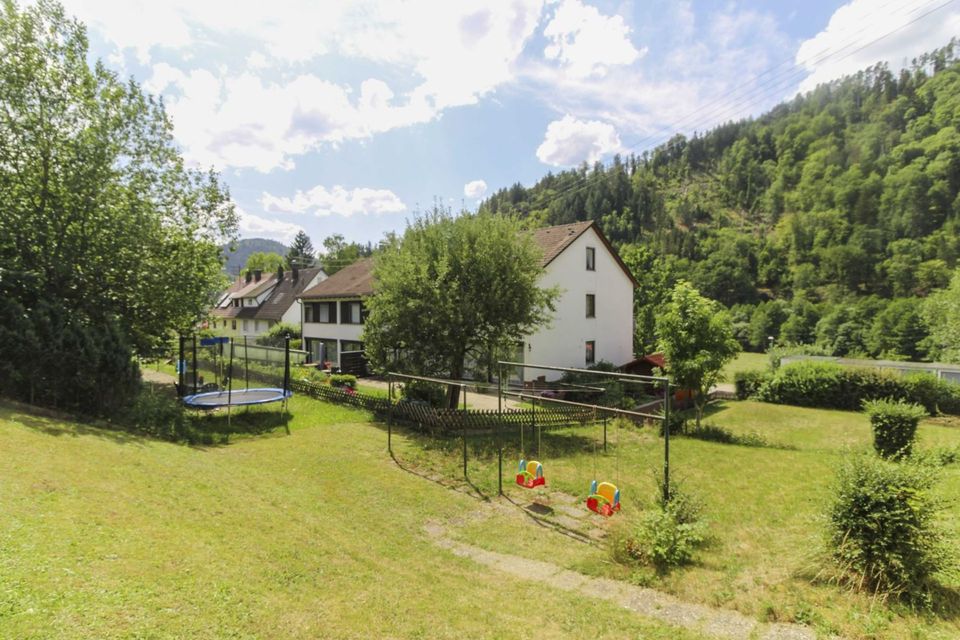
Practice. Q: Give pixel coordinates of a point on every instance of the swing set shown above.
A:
(604, 496)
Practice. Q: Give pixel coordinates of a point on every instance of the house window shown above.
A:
(325, 312)
(350, 313)
(236, 302)
(591, 352)
(350, 345)
(330, 353)
(591, 305)
(234, 323)
(246, 326)
(591, 259)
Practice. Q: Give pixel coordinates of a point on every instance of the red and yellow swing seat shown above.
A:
(530, 474)
(604, 498)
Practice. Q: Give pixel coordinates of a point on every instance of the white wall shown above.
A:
(294, 315)
(563, 342)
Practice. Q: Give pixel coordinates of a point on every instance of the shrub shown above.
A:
(883, 530)
(894, 426)
(432, 393)
(747, 383)
(832, 386)
(665, 536)
(343, 380)
(276, 335)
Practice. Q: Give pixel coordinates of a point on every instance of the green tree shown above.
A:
(455, 288)
(99, 218)
(941, 313)
(265, 261)
(696, 337)
(98, 210)
(338, 253)
(301, 254)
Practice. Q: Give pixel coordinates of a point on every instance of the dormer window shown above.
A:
(591, 259)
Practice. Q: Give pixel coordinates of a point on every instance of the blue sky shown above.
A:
(347, 116)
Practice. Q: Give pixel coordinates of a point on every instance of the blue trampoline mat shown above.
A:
(236, 398)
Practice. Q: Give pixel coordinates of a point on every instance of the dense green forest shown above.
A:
(823, 222)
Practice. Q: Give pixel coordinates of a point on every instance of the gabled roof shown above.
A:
(554, 240)
(279, 300)
(353, 281)
(356, 280)
(285, 294)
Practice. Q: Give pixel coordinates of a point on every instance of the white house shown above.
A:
(593, 319)
(256, 302)
(594, 313)
(333, 312)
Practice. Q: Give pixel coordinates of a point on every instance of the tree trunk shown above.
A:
(453, 390)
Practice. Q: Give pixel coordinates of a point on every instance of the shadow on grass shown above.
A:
(54, 426)
(475, 491)
(217, 427)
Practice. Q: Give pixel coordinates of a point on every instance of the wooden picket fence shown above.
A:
(448, 421)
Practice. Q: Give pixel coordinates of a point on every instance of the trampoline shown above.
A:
(238, 398)
(229, 397)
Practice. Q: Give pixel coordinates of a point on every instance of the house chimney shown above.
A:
(280, 273)
(256, 274)
(249, 276)
(296, 273)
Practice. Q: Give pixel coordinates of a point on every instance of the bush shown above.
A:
(894, 426)
(276, 335)
(831, 386)
(62, 358)
(343, 380)
(431, 393)
(747, 383)
(157, 415)
(666, 536)
(882, 527)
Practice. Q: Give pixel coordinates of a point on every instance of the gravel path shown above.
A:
(709, 621)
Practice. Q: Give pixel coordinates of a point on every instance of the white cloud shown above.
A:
(269, 109)
(475, 189)
(252, 226)
(570, 141)
(699, 72)
(847, 44)
(586, 42)
(337, 200)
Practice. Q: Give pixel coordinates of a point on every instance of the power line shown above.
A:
(785, 79)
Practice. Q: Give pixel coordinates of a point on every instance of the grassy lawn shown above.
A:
(313, 534)
(745, 361)
(764, 507)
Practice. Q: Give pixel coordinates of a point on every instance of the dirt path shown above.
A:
(709, 621)
(152, 375)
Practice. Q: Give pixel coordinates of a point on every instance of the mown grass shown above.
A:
(764, 504)
(745, 361)
(313, 534)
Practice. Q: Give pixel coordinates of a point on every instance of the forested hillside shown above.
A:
(821, 222)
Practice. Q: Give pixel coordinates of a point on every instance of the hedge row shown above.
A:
(831, 386)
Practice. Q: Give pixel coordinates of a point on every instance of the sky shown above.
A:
(351, 116)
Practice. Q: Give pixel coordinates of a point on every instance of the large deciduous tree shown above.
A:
(105, 235)
(454, 289)
(696, 337)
